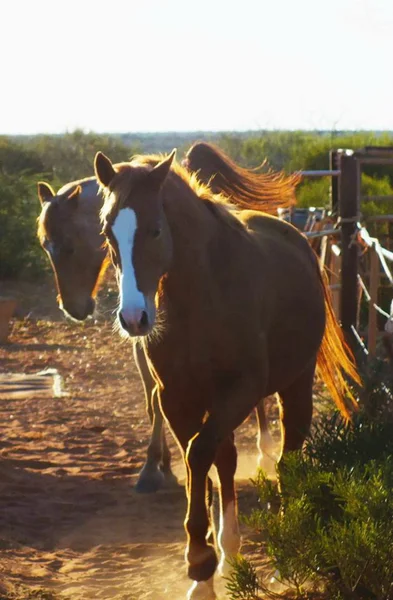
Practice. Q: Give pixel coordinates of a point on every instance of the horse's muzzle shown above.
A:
(136, 324)
(78, 313)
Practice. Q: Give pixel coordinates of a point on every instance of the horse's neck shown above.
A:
(197, 234)
(192, 226)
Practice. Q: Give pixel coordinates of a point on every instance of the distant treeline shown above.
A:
(24, 160)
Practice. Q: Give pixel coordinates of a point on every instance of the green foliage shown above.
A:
(70, 156)
(315, 192)
(243, 582)
(19, 249)
(376, 393)
(16, 158)
(334, 530)
(375, 186)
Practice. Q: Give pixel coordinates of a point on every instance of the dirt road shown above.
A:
(70, 520)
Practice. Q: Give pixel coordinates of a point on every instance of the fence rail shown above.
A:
(320, 173)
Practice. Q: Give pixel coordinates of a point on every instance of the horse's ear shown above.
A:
(103, 169)
(45, 192)
(161, 170)
(73, 196)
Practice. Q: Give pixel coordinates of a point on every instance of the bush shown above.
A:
(314, 193)
(69, 157)
(19, 248)
(335, 532)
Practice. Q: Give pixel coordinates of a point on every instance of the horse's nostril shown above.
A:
(144, 319)
(122, 321)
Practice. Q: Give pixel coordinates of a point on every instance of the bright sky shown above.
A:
(176, 65)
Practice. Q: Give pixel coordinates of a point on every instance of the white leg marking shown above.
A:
(267, 455)
(132, 301)
(202, 590)
(228, 537)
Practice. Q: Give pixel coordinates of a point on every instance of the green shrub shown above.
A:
(314, 192)
(19, 248)
(335, 530)
(70, 156)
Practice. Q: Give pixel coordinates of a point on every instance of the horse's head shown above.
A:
(69, 230)
(138, 235)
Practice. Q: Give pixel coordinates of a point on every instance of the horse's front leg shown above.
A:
(152, 477)
(229, 535)
(201, 556)
(225, 416)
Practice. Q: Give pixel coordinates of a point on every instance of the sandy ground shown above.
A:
(70, 521)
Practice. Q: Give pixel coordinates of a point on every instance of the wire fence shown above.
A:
(325, 232)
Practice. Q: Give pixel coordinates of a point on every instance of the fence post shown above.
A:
(334, 191)
(349, 208)
(372, 315)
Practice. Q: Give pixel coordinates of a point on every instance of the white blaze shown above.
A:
(132, 301)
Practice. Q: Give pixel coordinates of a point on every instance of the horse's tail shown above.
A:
(335, 359)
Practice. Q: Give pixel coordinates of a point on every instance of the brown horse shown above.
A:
(267, 192)
(69, 230)
(230, 308)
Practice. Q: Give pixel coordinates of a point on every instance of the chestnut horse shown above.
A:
(69, 230)
(230, 308)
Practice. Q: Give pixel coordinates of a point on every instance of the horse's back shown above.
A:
(270, 231)
(283, 258)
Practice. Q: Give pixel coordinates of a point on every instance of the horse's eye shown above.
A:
(156, 233)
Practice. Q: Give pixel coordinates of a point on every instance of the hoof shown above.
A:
(203, 567)
(275, 584)
(170, 480)
(150, 481)
(201, 590)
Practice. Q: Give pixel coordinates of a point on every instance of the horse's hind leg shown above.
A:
(265, 443)
(296, 411)
(152, 477)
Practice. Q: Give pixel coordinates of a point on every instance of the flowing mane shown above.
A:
(130, 173)
(247, 189)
